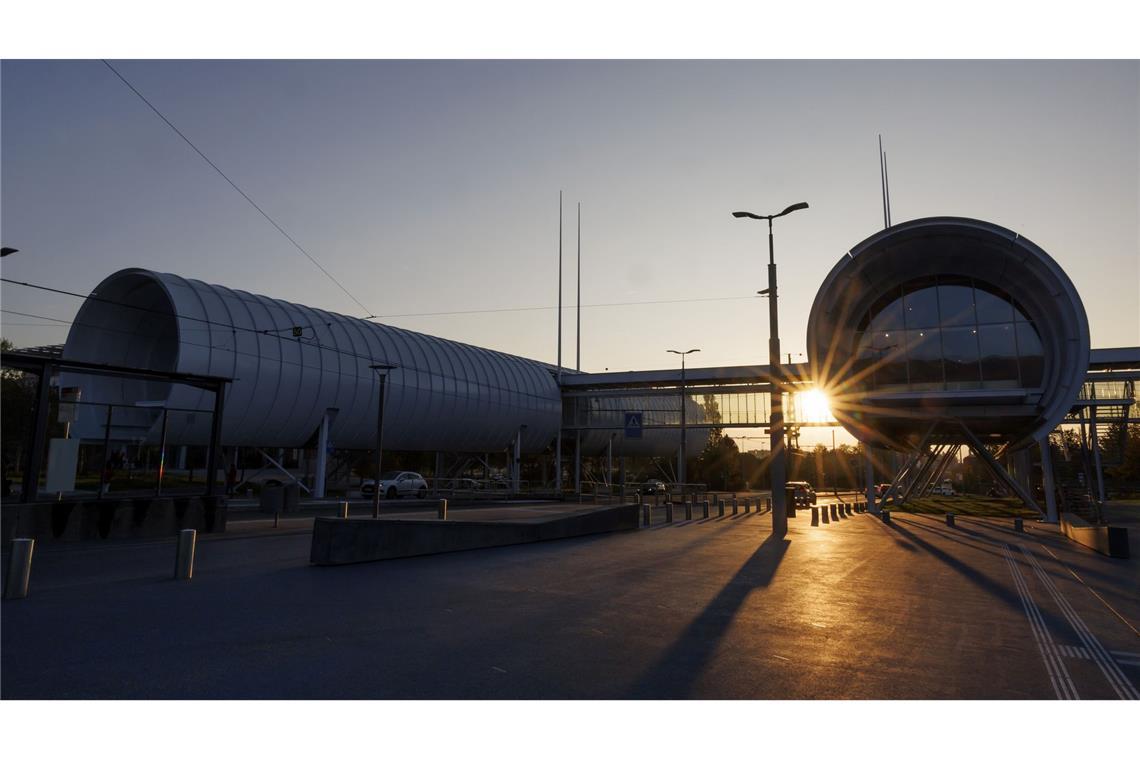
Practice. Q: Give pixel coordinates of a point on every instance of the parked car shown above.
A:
(395, 484)
(804, 491)
(881, 489)
(653, 487)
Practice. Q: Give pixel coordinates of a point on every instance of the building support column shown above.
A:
(577, 461)
(869, 476)
(1047, 483)
(558, 463)
(610, 460)
(1094, 439)
(516, 464)
(322, 454)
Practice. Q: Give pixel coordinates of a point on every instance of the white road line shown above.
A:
(1063, 685)
(1115, 677)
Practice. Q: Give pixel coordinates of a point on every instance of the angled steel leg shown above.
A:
(980, 450)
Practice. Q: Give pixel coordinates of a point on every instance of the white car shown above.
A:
(395, 484)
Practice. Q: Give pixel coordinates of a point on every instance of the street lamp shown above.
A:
(382, 372)
(776, 459)
(681, 458)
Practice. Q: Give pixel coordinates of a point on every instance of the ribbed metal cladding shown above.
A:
(445, 396)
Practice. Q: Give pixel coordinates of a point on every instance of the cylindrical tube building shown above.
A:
(948, 324)
(290, 364)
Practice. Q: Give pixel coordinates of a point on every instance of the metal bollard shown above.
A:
(834, 513)
(720, 507)
(842, 513)
(277, 518)
(849, 509)
(950, 519)
(645, 515)
(184, 557)
(886, 515)
(747, 505)
(688, 510)
(19, 568)
(768, 503)
(1018, 525)
(815, 515)
(344, 510)
(668, 511)
(441, 510)
(735, 506)
(823, 514)
(705, 508)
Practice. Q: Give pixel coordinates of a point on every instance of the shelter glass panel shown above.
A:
(999, 356)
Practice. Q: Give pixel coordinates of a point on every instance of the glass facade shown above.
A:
(947, 333)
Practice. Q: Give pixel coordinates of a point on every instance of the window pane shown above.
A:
(924, 352)
(921, 307)
(862, 369)
(960, 354)
(956, 304)
(992, 308)
(887, 317)
(889, 352)
(1032, 356)
(999, 356)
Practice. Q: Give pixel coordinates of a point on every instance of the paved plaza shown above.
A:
(707, 609)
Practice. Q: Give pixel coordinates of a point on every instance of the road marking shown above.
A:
(785, 659)
(1079, 653)
(1062, 684)
(1091, 590)
(498, 669)
(1115, 677)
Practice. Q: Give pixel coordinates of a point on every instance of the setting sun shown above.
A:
(813, 406)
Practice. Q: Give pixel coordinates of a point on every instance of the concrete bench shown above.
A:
(1109, 540)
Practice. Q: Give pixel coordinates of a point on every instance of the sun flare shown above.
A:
(814, 406)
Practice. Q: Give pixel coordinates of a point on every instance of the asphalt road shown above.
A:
(713, 609)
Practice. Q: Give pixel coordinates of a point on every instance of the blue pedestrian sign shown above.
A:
(633, 424)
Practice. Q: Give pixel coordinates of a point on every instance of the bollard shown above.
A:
(277, 519)
(1018, 525)
(441, 511)
(344, 510)
(668, 511)
(790, 501)
(688, 510)
(19, 568)
(747, 505)
(848, 508)
(839, 509)
(823, 514)
(645, 515)
(815, 515)
(184, 556)
(834, 513)
(735, 506)
(768, 503)
(637, 498)
(886, 515)
(705, 508)
(720, 507)
(950, 519)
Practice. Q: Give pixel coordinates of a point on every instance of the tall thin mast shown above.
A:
(883, 182)
(887, 185)
(559, 286)
(578, 363)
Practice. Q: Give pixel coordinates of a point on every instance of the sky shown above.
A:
(432, 186)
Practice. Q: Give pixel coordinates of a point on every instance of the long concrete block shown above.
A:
(1110, 540)
(341, 542)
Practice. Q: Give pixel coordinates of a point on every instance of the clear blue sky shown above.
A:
(433, 186)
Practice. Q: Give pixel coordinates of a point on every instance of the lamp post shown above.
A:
(681, 457)
(382, 372)
(776, 460)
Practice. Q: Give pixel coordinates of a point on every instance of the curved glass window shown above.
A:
(947, 333)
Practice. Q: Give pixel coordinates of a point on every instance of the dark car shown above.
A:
(804, 491)
(653, 487)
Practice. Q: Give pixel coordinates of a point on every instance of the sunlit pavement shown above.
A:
(703, 609)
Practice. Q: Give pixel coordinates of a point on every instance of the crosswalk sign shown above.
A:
(633, 424)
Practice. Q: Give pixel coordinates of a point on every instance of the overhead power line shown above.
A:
(241, 192)
(553, 308)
